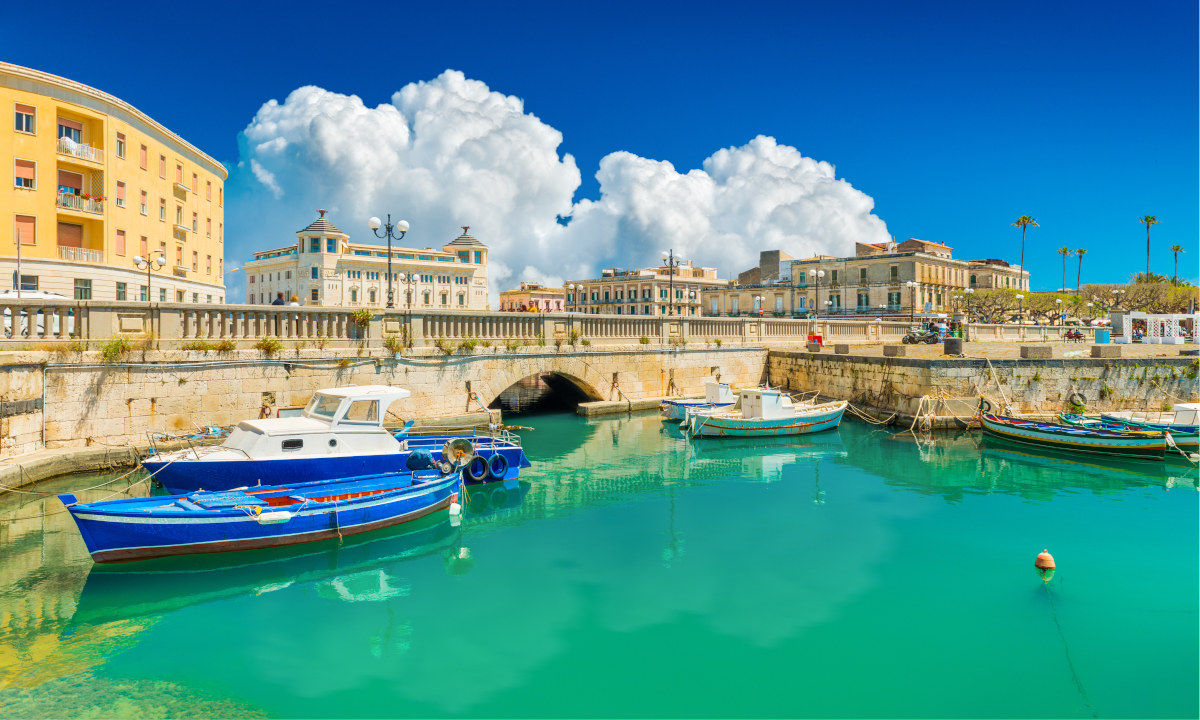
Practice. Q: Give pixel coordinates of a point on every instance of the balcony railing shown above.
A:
(71, 201)
(78, 254)
(67, 146)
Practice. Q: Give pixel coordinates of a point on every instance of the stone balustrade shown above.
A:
(31, 321)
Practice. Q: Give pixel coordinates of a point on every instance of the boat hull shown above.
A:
(186, 475)
(677, 409)
(718, 426)
(1074, 440)
(1185, 436)
(116, 536)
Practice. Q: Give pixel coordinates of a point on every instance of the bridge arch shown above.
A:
(586, 382)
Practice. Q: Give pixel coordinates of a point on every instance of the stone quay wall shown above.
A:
(884, 386)
(86, 402)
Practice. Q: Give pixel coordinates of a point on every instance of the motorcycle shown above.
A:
(915, 337)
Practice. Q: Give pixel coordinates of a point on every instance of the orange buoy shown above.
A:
(1045, 561)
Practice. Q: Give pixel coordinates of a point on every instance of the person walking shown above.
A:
(278, 299)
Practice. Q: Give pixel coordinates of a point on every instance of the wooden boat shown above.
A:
(1094, 422)
(340, 434)
(760, 413)
(1179, 420)
(246, 519)
(717, 395)
(1075, 439)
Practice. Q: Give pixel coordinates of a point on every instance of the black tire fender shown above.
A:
(1077, 398)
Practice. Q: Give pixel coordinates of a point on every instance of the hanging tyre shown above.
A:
(1077, 398)
(477, 470)
(498, 466)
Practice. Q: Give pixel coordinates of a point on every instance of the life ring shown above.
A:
(477, 470)
(985, 405)
(1077, 398)
(498, 466)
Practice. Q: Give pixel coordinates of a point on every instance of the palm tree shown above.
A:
(1176, 249)
(1023, 222)
(1148, 220)
(1079, 273)
(1066, 253)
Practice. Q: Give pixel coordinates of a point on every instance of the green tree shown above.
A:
(1079, 271)
(1175, 250)
(1148, 220)
(1023, 222)
(1065, 252)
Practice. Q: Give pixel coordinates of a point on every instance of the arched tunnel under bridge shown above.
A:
(544, 392)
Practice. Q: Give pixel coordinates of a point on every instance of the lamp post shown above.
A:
(1058, 310)
(145, 263)
(758, 300)
(912, 306)
(571, 287)
(816, 275)
(672, 262)
(391, 232)
(691, 299)
(1089, 313)
(408, 279)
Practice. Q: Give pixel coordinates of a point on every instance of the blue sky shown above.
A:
(954, 117)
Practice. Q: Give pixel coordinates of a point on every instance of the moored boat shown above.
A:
(1062, 437)
(761, 412)
(1181, 421)
(716, 395)
(252, 518)
(340, 434)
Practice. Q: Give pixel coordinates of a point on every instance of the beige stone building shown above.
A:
(324, 268)
(533, 297)
(648, 291)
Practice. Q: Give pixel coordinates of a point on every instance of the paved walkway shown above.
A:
(1012, 350)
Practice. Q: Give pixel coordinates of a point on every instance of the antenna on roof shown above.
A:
(465, 228)
(321, 213)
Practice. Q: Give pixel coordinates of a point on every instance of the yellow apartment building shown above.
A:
(98, 183)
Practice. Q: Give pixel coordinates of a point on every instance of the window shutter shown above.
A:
(120, 242)
(70, 235)
(27, 227)
(25, 169)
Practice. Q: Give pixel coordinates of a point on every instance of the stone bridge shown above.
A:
(57, 400)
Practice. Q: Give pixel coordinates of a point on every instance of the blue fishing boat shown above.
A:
(1074, 439)
(340, 434)
(251, 518)
(1181, 422)
(717, 395)
(760, 413)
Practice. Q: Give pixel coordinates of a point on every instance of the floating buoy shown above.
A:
(455, 508)
(1045, 565)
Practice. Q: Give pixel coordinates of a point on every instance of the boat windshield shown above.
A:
(323, 406)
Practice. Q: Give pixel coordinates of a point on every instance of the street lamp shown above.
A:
(969, 292)
(408, 279)
(1089, 312)
(691, 299)
(912, 307)
(816, 275)
(146, 263)
(672, 262)
(571, 287)
(391, 232)
(1058, 309)
(1021, 309)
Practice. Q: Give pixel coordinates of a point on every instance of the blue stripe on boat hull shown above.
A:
(676, 409)
(731, 427)
(184, 476)
(1077, 441)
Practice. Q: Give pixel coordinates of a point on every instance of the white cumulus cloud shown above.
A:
(450, 151)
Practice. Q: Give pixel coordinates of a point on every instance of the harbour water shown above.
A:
(635, 573)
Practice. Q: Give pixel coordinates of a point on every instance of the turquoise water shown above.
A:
(635, 573)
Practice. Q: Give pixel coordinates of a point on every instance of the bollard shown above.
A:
(813, 347)
(1036, 352)
(894, 350)
(953, 346)
(841, 349)
(1106, 351)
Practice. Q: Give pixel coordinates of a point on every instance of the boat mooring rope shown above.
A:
(1067, 652)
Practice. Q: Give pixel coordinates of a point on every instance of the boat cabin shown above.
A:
(718, 392)
(759, 403)
(336, 421)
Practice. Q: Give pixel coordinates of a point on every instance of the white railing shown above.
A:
(71, 201)
(67, 146)
(78, 254)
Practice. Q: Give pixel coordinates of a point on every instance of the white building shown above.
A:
(324, 268)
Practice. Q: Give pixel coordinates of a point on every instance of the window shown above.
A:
(314, 244)
(208, 264)
(25, 115)
(478, 256)
(27, 229)
(121, 145)
(143, 247)
(834, 281)
(162, 295)
(864, 303)
(179, 175)
(221, 197)
(162, 209)
(313, 270)
(83, 289)
(862, 274)
(70, 235)
(330, 245)
(208, 189)
(179, 215)
(195, 183)
(353, 295)
(208, 299)
(207, 227)
(195, 260)
(143, 293)
(195, 297)
(425, 298)
(70, 129)
(143, 161)
(120, 194)
(778, 303)
(371, 296)
(220, 266)
(28, 282)
(733, 306)
(179, 257)
(462, 300)
(178, 296)
(162, 166)
(313, 295)
(120, 244)
(195, 222)
(24, 172)
(445, 299)
(121, 291)
(972, 281)
(144, 203)
(893, 300)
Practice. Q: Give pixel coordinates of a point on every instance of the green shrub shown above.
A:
(573, 337)
(717, 342)
(644, 340)
(467, 345)
(445, 347)
(198, 345)
(541, 340)
(394, 343)
(362, 317)
(511, 345)
(224, 346)
(269, 345)
(115, 349)
(585, 342)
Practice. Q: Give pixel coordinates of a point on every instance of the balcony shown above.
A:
(80, 203)
(78, 254)
(182, 229)
(67, 146)
(180, 271)
(182, 188)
